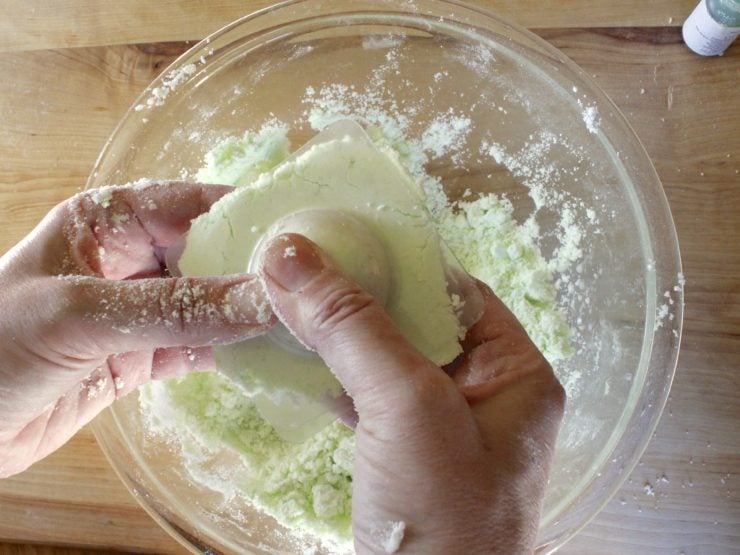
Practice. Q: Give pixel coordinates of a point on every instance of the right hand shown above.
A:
(461, 461)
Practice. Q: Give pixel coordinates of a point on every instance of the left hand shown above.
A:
(86, 316)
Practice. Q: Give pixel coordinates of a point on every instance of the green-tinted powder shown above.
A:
(309, 485)
(239, 161)
(306, 485)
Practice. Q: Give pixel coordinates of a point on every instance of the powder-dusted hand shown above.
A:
(444, 465)
(85, 316)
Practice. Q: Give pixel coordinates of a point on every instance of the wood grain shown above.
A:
(60, 105)
(38, 24)
(50, 143)
(33, 549)
(74, 498)
(694, 143)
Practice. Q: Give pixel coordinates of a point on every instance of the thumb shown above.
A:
(130, 315)
(333, 316)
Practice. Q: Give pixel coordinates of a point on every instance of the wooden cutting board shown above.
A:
(72, 67)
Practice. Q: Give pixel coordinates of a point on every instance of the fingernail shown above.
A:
(474, 305)
(291, 261)
(467, 298)
(172, 255)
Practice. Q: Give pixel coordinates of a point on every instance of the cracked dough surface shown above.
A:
(351, 175)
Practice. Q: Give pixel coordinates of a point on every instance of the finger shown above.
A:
(512, 390)
(521, 421)
(119, 376)
(130, 370)
(344, 408)
(499, 353)
(524, 400)
(495, 320)
(527, 406)
(119, 316)
(497, 344)
(60, 421)
(175, 362)
(355, 337)
(466, 295)
(116, 232)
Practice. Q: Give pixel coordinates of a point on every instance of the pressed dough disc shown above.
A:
(344, 177)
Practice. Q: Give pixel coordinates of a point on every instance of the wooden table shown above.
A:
(70, 68)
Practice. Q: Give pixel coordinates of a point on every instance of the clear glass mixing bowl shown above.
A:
(423, 58)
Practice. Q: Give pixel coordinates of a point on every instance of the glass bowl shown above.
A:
(541, 132)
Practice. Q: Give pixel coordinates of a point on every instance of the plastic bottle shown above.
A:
(712, 26)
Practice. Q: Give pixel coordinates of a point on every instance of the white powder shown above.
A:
(300, 51)
(96, 388)
(665, 312)
(240, 160)
(485, 237)
(307, 488)
(264, 310)
(337, 101)
(102, 196)
(591, 119)
(374, 42)
(119, 383)
(392, 536)
(478, 58)
(445, 133)
(571, 234)
(170, 82)
(489, 243)
(662, 312)
(243, 293)
(531, 163)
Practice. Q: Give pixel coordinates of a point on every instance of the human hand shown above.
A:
(85, 316)
(445, 464)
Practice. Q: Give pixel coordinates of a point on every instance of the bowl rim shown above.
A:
(660, 217)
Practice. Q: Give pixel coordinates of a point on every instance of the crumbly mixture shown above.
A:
(308, 486)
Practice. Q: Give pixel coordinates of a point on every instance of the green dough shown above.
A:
(240, 161)
(342, 175)
(308, 486)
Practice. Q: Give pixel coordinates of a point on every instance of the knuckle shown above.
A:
(188, 304)
(79, 202)
(81, 228)
(83, 207)
(339, 304)
(550, 390)
(67, 300)
(75, 213)
(182, 303)
(428, 394)
(558, 395)
(555, 389)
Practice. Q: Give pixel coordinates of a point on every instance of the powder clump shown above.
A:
(307, 487)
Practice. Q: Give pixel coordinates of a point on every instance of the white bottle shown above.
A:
(712, 26)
